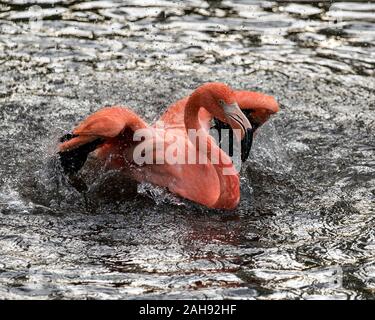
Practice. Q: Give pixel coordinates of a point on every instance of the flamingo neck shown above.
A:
(192, 122)
(191, 118)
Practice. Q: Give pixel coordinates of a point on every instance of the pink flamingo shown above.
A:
(110, 132)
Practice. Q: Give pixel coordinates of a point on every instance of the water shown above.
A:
(305, 225)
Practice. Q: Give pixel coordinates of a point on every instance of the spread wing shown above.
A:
(103, 125)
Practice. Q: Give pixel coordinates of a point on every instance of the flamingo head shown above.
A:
(220, 101)
(256, 107)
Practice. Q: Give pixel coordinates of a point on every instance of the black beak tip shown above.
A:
(246, 144)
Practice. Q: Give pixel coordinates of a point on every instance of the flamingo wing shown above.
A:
(256, 100)
(103, 126)
(257, 106)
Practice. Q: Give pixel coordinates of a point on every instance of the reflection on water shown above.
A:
(305, 225)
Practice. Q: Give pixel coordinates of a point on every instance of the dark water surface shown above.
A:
(305, 225)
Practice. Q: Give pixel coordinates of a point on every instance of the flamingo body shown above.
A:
(111, 131)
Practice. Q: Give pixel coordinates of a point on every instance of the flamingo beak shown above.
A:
(244, 133)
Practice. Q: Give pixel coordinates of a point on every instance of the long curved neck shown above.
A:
(222, 160)
(192, 122)
(191, 118)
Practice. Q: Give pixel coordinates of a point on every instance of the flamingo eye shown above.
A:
(222, 102)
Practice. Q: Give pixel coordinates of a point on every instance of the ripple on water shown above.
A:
(304, 227)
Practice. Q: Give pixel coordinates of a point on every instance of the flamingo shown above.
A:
(110, 135)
